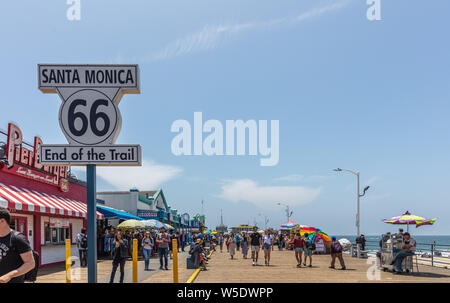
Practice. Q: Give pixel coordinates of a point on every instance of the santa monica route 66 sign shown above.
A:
(89, 115)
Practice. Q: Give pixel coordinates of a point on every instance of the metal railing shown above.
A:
(427, 253)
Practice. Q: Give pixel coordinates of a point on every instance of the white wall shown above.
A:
(121, 201)
(57, 253)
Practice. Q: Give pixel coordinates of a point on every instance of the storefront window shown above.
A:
(56, 235)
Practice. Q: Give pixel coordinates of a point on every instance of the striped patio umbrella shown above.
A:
(314, 233)
(408, 219)
(288, 225)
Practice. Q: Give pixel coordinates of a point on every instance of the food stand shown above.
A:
(390, 245)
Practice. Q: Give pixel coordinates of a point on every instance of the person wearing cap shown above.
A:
(336, 252)
(163, 240)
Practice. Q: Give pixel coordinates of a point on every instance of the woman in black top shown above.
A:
(120, 256)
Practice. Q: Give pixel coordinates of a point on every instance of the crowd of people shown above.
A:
(117, 245)
(303, 246)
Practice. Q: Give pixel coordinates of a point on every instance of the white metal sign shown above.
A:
(117, 154)
(89, 115)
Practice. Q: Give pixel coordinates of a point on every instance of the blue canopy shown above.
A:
(110, 213)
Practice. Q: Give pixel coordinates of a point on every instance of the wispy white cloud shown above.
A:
(212, 36)
(290, 178)
(148, 176)
(267, 196)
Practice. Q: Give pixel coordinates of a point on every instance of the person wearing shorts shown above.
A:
(255, 242)
(308, 250)
(267, 246)
(299, 245)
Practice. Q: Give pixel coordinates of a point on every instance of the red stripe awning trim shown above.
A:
(20, 198)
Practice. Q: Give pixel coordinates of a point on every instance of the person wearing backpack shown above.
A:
(82, 245)
(309, 248)
(336, 252)
(16, 256)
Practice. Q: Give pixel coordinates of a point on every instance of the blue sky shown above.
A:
(368, 96)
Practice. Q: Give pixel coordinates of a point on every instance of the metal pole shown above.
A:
(432, 253)
(92, 222)
(135, 260)
(175, 260)
(68, 262)
(357, 214)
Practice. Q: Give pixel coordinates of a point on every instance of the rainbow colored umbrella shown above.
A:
(260, 231)
(409, 219)
(314, 233)
(288, 225)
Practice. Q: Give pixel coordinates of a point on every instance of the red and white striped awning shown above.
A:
(20, 198)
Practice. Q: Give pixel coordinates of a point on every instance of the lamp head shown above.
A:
(337, 169)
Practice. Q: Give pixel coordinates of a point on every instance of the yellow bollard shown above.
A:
(68, 262)
(175, 260)
(135, 259)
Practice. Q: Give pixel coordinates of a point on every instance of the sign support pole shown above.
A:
(92, 222)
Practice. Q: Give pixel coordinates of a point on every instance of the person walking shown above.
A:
(280, 241)
(120, 256)
(183, 240)
(299, 245)
(220, 241)
(172, 236)
(238, 241)
(309, 248)
(336, 252)
(244, 245)
(232, 246)
(255, 242)
(267, 246)
(163, 240)
(82, 245)
(147, 247)
(16, 256)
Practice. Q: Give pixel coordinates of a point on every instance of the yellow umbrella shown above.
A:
(169, 226)
(131, 224)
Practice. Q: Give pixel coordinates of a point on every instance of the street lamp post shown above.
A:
(288, 211)
(358, 196)
(265, 221)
